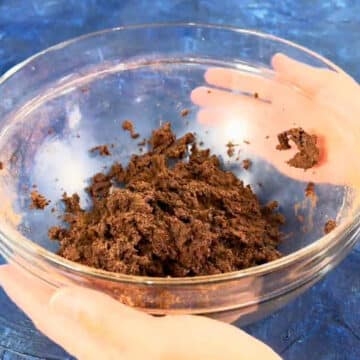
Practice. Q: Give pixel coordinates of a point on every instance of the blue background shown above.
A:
(324, 323)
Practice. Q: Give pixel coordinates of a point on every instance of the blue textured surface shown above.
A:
(324, 323)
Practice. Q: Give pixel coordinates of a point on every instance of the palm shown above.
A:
(296, 95)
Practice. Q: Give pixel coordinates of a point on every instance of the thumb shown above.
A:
(103, 317)
(78, 301)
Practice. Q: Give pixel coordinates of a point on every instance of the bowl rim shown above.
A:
(33, 251)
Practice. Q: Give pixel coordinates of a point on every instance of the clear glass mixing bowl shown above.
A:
(61, 102)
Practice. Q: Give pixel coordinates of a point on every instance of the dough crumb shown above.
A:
(308, 155)
(38, 201)
(330, 225)
(127, 125)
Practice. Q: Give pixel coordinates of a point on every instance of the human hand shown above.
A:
(323, 102)
(91, 325)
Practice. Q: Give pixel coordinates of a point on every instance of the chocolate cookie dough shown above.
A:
(310, 190)
(173, 211)
(246, 164)
(103, 150)
(330, 225)
(38, 201)
(230, 149)
(184, 112)
(127, 125)
(308, 155)
(310, 193)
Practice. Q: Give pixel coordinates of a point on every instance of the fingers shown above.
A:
(82, 302)
(291, 109)
(72, 317)
(243, 117)
(29, 294)
(240, 81)
(76, 339)
(103, 317)
(305, 77)
(91, 325)
(287, 70)
(195, 338)
(32, 296)
(210, 97)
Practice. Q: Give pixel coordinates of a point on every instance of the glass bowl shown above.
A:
(61, 102)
